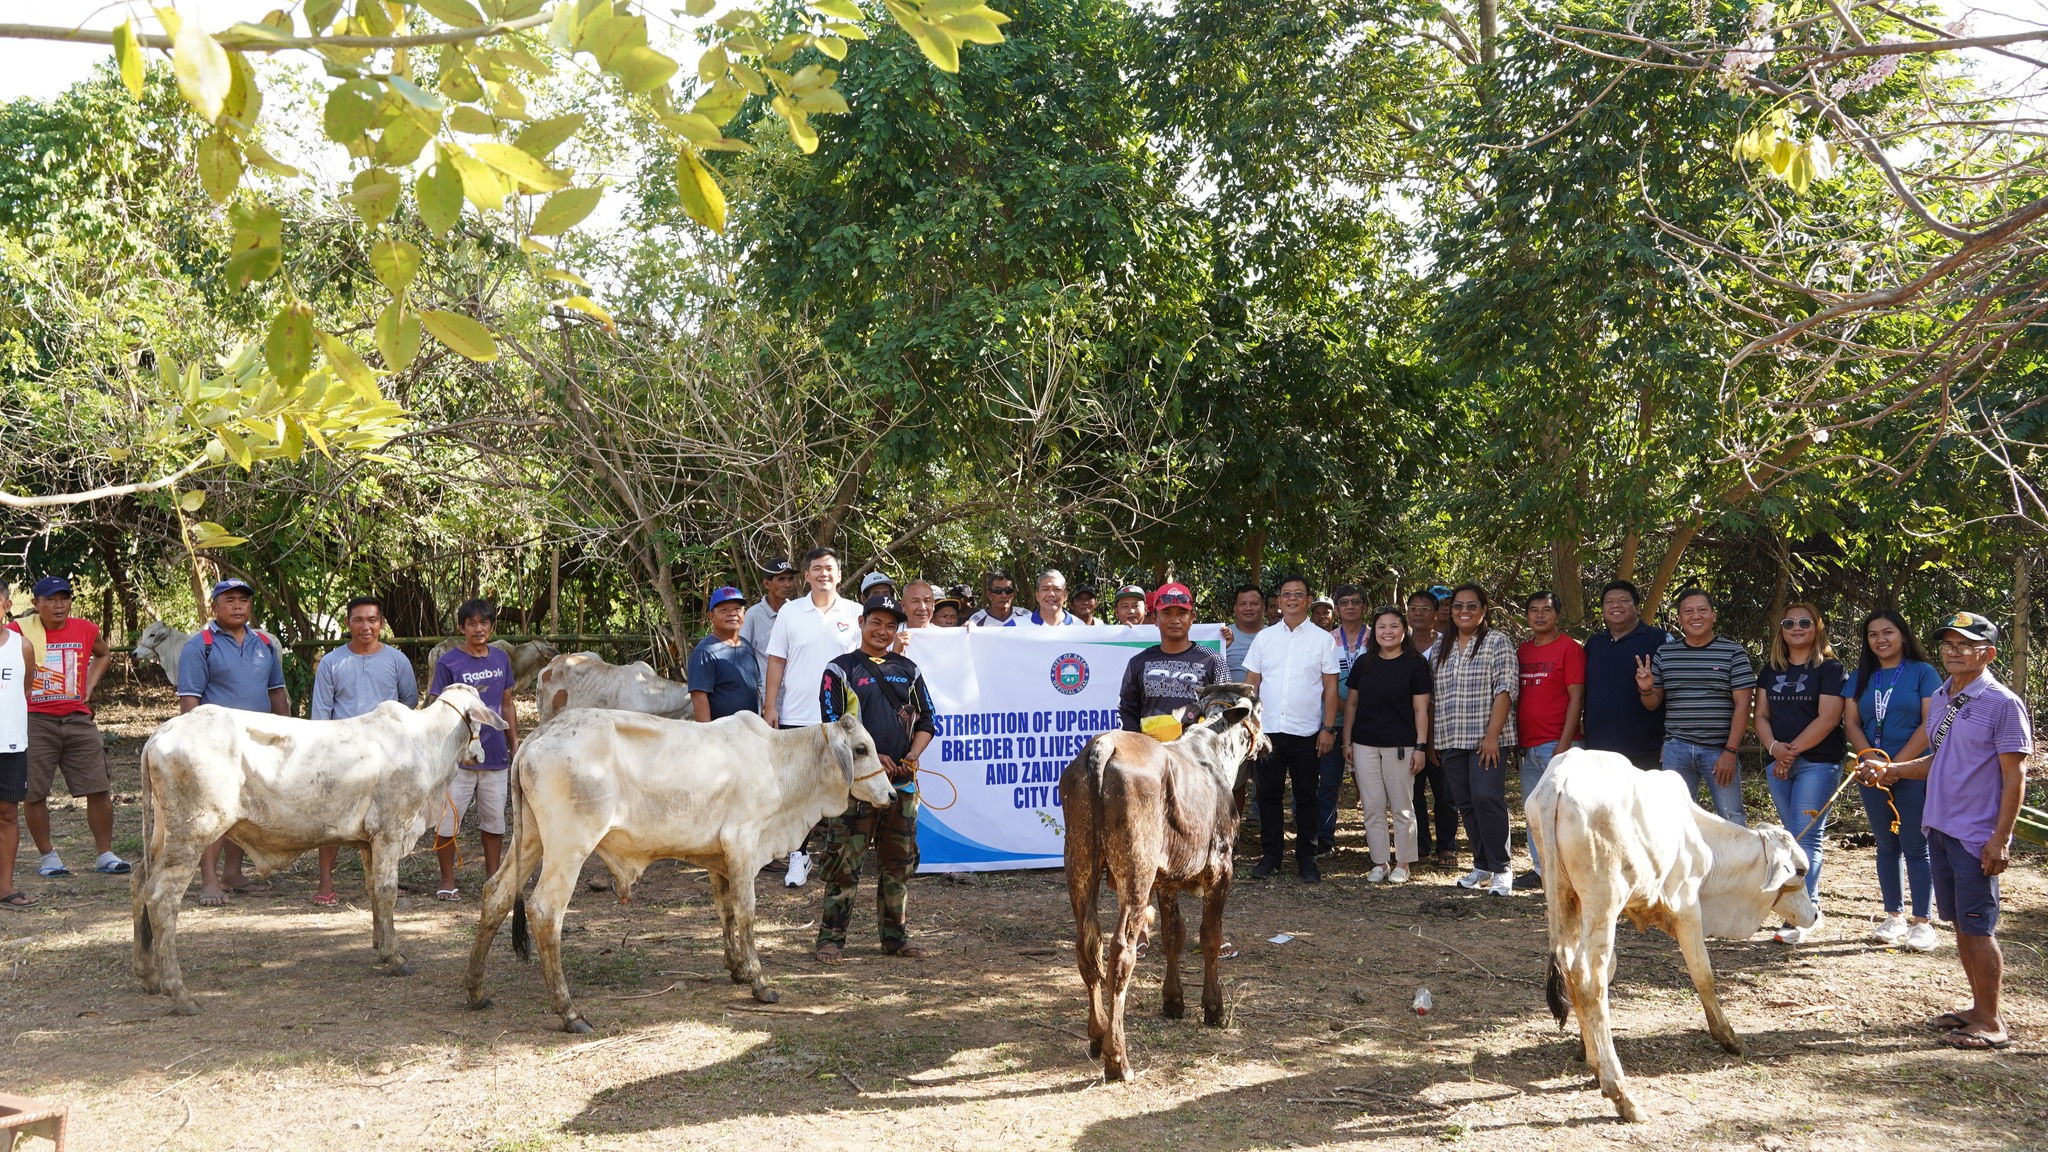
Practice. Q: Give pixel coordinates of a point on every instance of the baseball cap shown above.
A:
(232, 584)
(726, 595)
(51, 585)
(1081, 590)
(1173, 596)
(873, 578)
(1322, 602)
(949, 598)
(887, 604)
(1968, 625)
(1129, 591)
(780, 566)
(1440, 591)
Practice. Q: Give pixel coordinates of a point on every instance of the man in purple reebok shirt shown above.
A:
(1978, 730)
(488, 670)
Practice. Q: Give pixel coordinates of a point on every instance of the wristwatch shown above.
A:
(1331, 728)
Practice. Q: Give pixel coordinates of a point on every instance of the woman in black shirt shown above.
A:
(1386, 714)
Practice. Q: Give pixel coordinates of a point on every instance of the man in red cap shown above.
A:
(1161, 682)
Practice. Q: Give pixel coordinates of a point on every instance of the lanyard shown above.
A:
(1882, 694)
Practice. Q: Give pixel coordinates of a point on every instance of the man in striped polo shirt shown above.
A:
(1704, 683)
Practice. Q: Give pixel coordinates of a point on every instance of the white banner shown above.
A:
(1014, 707)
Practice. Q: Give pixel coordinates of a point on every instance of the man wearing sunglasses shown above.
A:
(1704, 683)
(1975, 777)
(1293, 664)
(1002, 604)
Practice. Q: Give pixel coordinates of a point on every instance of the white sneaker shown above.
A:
(1476, 878)
(1503, 884)
(1790, 934)
(1378, 873)
(1398, 876)
(1891, 931)
(1921, 937)
(799, 869)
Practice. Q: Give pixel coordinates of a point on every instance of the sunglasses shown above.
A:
(1789, 624)
(1002, 591)
(1465, 606)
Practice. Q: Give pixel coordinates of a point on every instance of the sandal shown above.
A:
(1447, 860)
(327, 901)
(449, 894)
(114, 868)
(829, 954)
(54, 873)
(908, 952)
(18, 901)
(1978, 1041)
(1947, 1022)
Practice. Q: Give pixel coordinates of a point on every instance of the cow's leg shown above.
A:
(721, 898)
(1692, 941)
(549, 903)
(380, 862)
(1173, 937)
(499, 892)
(1084, 888)
(1132, 915)
(1590, 977)
(740, 892)
(167, 881)
(1212, 951)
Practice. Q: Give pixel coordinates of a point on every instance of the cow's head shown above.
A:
(1785, 877)
(476, 714)
(1222, 707)
(151, 640)
(849, 746)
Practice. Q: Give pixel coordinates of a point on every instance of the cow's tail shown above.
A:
(1553, 991)
(1561, 905)
(145, 932)
(522, 837)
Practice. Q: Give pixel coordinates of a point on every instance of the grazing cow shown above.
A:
(162, 643)
(584, 680)
(1618, 841)
(527, 659)
(279, 786)
(727, 796)
(1156, 817)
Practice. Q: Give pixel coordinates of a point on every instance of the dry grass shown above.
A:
(302, 1043)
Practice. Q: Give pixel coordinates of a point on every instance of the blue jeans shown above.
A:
(1535, 761)
(1694, 763)
(1908, 844)
(1329, 785)
(1798, 799)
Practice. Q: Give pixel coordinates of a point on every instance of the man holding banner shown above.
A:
(1293, 664)
(1163, 680)
(885, 689)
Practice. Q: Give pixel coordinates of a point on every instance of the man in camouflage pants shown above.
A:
(885, 689)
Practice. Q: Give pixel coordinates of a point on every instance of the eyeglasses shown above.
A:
(1350, 601)
(1789, 624)
(1950, 647)
(1465, 606)
(1293, 594)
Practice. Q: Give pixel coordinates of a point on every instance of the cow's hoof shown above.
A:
(1732, 1045)
(1628, 1110)
(398, 968)
(186, 1007)
(576, 1024)
(1118, 1073)
(1213, 1017)
(766, 995)
(479, 1003)
(1173, 1010)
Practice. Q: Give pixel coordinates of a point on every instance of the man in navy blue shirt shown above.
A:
(724, 677)
(1614, 719)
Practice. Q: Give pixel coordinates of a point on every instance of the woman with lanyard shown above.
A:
(1354, 638)
(1799, 723)
(1887, 710)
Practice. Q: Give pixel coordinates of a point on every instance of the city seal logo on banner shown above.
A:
(1069, 674)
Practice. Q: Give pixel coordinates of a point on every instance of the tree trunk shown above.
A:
(1631, 545)
(1565, 581)
(1489, 29)
(1781, 586)
(2022, 618)
(1255, 555)
(555, 590)
(1667, 567)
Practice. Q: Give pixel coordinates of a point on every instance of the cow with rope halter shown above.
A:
(280, 786)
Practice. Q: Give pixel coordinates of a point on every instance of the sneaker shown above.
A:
(1503, 884)
(1398, 876)
(1378, 873)
(1790, 934)
(1476, 878)
(799, 869)
(1529, 882)
(1921, 937)
(1309, 873)
(1892, 931)
(1265, 868)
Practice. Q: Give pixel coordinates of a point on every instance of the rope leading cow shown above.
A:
(1156, 817)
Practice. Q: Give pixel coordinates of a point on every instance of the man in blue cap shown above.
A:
(236, 665)
(724, 676)
(70, 658)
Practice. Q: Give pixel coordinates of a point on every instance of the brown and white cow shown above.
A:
(1156, 817)
(1618, 841)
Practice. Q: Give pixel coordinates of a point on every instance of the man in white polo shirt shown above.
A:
(808, 634)
(1293, 664)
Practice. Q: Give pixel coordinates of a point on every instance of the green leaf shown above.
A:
(544, 136)
(973, 28)
(417, 96)
(589, 308)
(288, 349)
(375, 195)
(712, 64)
(462, 334)
(438, 191)
(245, 97)
(457, 81)
(258, 263)
(474, 121)
(800, 129)
(261, 158)
(936, 43)
(202, 68)
(398, 336)
(396, 263)
(521, 166)
(455, 13)
(823, 100)
(566, 277)
(350, 108)
(207, 534)
(346, 363)
(128, 57)
(641, 68)
(192, 500)
(564, 210)
(698, 7)
(220, 166)
(832, 46)
(691, 126)
(698, 189)
(485, 186)
(844, 9)
(320, 14)
(402, 141)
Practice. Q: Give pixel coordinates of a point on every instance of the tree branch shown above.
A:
(283, 43)
(65, 499)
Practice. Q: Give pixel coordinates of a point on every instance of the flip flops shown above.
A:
(18, 901)
(452, 895)
(1947, 1022)
(327, 901)
(1968, 1041)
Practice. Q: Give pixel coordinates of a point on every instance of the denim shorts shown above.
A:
(1967, 897)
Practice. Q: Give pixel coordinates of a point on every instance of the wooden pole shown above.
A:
(555, 589)
(2022, 618)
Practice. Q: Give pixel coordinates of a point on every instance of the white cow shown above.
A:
(527, 658)
(279, 786)
(584, 680)
(1618, 841)
(727, 796)
(162, 643)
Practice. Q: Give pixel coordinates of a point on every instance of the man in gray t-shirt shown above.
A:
(1247, 616)
(778, 583)
(352, 681)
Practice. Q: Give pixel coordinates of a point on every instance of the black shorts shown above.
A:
(13, 777)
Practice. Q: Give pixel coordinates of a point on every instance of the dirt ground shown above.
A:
(302, 1043)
